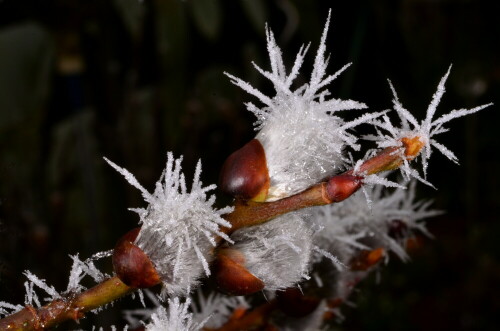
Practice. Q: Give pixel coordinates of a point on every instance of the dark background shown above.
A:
(131, 80)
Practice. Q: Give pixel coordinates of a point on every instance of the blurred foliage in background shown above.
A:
(131, 80)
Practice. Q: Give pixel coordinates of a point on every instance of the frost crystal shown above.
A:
(175, 318)
(302, 137)
(425, 130)
(79, 270)
(276, 252)
(353, 224)
(179, 228)
(135, 317)
(216, 308)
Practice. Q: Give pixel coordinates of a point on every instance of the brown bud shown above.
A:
(232, 277)
(294, 303)
(341, 187)
(244, 174)
(367, 259)
(132, 265)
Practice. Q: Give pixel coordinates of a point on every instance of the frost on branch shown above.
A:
(277, 252)
(299, 128)
(419, 133)
(79, 270)
(179, 227)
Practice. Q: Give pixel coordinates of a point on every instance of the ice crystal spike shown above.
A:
(414, 138)
(299, 128)
(178, 227)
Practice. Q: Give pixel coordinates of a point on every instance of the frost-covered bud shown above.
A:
(277, 252)
(178, 228)
(302, 137)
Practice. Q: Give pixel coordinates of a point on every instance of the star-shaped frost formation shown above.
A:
(418, 135)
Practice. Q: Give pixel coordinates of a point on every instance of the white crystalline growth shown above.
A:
(178, 227)
(216, 308)
(345, 228)
(301, 134)
(174, 318)
(277, 252)
(424, 130)
(136, 317)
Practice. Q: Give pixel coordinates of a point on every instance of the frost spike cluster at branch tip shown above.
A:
(412, 138)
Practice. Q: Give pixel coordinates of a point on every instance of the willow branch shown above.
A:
(246, 213)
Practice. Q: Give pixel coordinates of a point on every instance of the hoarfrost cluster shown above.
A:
(178, 227)
(79, 270)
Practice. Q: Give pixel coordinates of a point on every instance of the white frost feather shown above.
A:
(277, 252)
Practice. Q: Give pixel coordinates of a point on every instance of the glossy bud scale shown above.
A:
(232, 277)
(132, 265)
(244, 174)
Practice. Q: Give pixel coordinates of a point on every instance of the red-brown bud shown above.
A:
(244, 174)
(367, 259)
(294, 303)
(341, 187)
(132, 265)
(232, 277)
